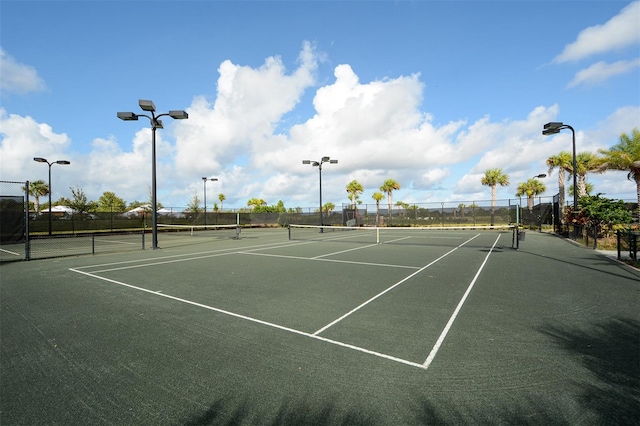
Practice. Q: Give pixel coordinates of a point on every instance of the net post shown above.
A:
(27, 239)
(93, 243)
(289, 231)
(143, 239)
(377, 235)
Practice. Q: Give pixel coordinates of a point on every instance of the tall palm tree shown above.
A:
(378, 196)
(564, 163)
(388, 187)
(354, 189)
(221, 197)
(493, 178)
(586, 162)
(38, 188)
(530, 188)
(625, 156)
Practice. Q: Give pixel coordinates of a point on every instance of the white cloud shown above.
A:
(618, 32)
(375, 129)
(22, 140)
(18, 78)
(601, 71)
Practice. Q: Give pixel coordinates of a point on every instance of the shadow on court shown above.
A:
(609, 351)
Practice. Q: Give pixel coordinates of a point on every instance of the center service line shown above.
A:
(444, 333)
(362, 305)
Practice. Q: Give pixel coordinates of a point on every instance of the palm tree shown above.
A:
(462, 206)
(625, 156)
(221, 197)
(38, 188)
(378, 196)
(530, 188)
(354, 189)
(586, 162)
(389, 186)
(564, 163)
(493, 178)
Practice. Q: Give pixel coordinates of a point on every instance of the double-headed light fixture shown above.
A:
(318, 164)
(44, 160)
(148, 106)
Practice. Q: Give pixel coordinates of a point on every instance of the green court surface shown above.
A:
(447, 327)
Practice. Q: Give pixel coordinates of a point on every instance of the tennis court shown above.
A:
(306, 327)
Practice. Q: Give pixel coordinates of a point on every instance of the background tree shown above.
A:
(328, 208)
(38, 188)
(461, 207)
(388, 187)
(255, 202)
(221, 198)
(110, 202)
(492, 178)
(404, 206)
(79, 202)
(625, 156)
(378, 196)
(530, 188)
(586, 162)
(564, 163)
(194, 204)
(354, 189)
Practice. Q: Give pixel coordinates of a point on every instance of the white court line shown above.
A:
(318, 259)
(362, 305)
(244, 317)
(315, 335)
(444, 333)
(344, 251)
(174, 256)
(10, 252)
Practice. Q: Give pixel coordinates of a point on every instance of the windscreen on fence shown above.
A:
(12, 219)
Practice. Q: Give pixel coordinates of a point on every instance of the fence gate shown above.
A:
(14, 221)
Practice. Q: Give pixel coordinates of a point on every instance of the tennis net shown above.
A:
(210, 231)
(435, 236)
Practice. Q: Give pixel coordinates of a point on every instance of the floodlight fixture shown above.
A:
(541, 175)
(178, 115)
(44, 160)
(127, 116)
(146, 105)
(318, 164)
(555, 127)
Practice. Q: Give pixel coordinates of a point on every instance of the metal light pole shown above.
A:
(555, 127)
(43, 160)
(318, 164)
(146, 105)
(204, 185)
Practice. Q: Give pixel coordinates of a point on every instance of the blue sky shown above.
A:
(429, 93)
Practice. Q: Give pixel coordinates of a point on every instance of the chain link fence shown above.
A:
(29, 234)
